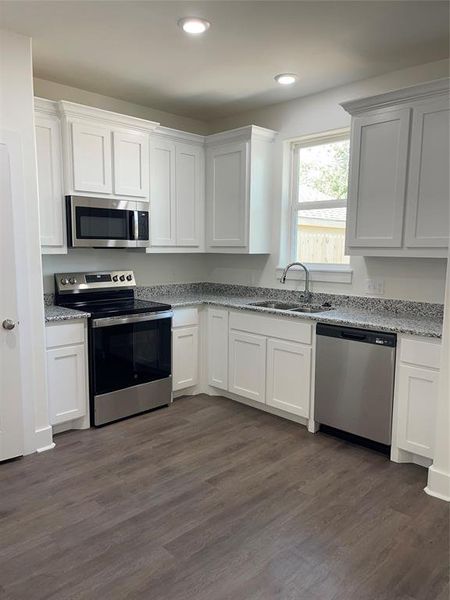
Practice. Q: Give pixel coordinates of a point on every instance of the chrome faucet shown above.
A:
(306, 293)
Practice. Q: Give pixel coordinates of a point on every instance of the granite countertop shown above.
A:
(427, 326)
(59, 313)
(380, 314)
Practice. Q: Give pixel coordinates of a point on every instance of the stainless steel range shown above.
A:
(130, 343)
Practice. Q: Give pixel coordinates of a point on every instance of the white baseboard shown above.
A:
(44, 439)
(45, 448)
(438, 484)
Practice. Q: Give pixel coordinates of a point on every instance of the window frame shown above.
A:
(295, 206)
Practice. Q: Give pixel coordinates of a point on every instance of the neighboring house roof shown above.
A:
(325, 214)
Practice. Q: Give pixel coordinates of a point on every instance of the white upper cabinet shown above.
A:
(228, 180)
(105, 154)
(239, 190)
(379, 149)
(130, 159)
(50, 184)
(190, 186)
(177, 191)
(398, 201)
(162, 190)
(428, 184)
(91, 158)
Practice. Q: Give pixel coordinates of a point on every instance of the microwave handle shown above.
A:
(135, 233)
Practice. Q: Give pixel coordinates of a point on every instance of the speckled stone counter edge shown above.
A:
(412, 309)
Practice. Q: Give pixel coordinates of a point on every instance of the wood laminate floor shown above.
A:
(213, 500)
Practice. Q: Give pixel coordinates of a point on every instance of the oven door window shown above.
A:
(102, 223)
(130, 354)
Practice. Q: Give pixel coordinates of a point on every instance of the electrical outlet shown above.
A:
(375, 287)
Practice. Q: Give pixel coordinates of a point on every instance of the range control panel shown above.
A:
(83, 282)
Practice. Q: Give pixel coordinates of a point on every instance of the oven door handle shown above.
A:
(127, 319)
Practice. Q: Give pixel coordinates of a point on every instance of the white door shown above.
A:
(11, 426)
(289, 376)
(190, 185)
(130, 160)
(185, 357)
(162, 193)
(377, 182)
(50, 188)
(227, 193)
(247, 365)
(66, 382)
(91, 156)
(417, 397)
(218, 348)
(428, 184)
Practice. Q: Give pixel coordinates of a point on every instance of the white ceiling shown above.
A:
(133, 50)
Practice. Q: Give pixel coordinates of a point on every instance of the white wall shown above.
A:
(149, 269)
(16, 101)
(56, 91)
(404, 278)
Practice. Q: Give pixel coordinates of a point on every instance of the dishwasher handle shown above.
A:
(353, 334)
(357, 337)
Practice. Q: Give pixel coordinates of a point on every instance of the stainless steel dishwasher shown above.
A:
(354, 385)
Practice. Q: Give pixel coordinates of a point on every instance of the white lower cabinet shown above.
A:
(66, 371)
(218, 348)
(247, 363)
(416, 394)
(185, 348)
(289, 376)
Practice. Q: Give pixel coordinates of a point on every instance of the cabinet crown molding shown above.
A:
(404, 95)
(72, 110)
(179, 136)
(49, 107)
(242, 133)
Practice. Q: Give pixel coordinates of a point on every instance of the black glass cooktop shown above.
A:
(110, 307)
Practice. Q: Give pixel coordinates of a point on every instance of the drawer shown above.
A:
(185, 316)
(64, 334)
(419, 352)
(284, 329)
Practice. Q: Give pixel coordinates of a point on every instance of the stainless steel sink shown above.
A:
(274, 304)
(291, 306)
(311, 308)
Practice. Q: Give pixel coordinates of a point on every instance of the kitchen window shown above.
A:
(319, 187)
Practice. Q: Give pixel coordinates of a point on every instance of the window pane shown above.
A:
(321, 236)
(323, 172)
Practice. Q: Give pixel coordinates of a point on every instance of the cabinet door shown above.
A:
(416, 396)
(130, 151)
(66, 380)
(162, 193)
(377, 184)
(227, 185)
(91, 155)
(189, 194)
(247, 365)
(428, 185)
(218, 348)
(185, 357)
(49, 167)
(289, 376)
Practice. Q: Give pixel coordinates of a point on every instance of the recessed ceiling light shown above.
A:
(286, 78)
(194, 25)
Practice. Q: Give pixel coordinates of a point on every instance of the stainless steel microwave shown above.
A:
(106, 223)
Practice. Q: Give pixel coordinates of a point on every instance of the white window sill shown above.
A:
(323, 273)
